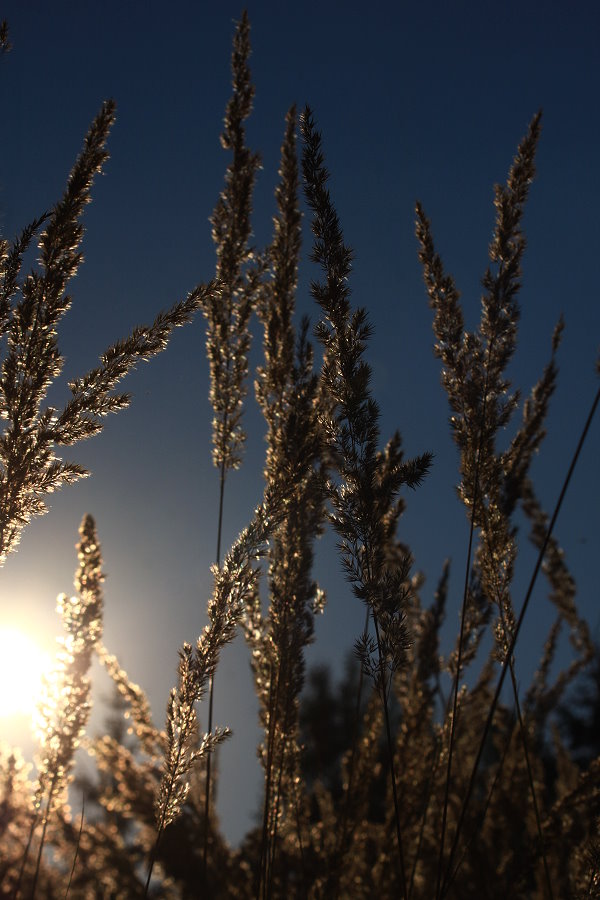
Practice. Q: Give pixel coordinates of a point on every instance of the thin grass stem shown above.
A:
(25, 856)
(43, 837)
(460, 646)
(161, 824)
(286, 725)
(531, 781)
(211, 690)
(76, 846)
(264, 844)
(391, 759)
(523, 735)
(341, 842)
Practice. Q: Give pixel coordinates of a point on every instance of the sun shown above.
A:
(22, 664)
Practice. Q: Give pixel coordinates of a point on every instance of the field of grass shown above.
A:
(426, 775)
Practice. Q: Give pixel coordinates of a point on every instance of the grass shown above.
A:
(443, 785)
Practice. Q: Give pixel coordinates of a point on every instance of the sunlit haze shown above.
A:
(22, 665)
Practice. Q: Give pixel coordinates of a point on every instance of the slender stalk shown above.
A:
(25, 856)
(228, 339)
(531, 781)
(262, 869)
(153, 856)
(221, 498)
(523, 734)
(76, 846)
(300, 843)
(391, 758)
(526, 752)
(282, 676)
(211, 686)
(43, 837)
(286, 725)
(460, 644)
(270, 810)
(341, 842)
(161, 824)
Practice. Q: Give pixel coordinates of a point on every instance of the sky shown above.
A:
(415, 101)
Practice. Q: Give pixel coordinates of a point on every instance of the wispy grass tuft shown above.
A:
(31, 308)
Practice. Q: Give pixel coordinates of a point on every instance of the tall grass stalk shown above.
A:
(287, 392)
(228, 311)
(65, 708)
(80, 832)
(360, 503)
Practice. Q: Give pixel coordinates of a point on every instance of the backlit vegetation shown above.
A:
(434, 781)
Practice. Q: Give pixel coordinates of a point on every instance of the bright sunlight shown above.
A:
(22, 664)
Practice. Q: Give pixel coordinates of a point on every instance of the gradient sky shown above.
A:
(415, 101)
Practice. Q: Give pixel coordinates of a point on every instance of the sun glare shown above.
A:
(22, 664)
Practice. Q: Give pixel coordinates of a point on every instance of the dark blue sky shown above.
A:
(414, 102)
